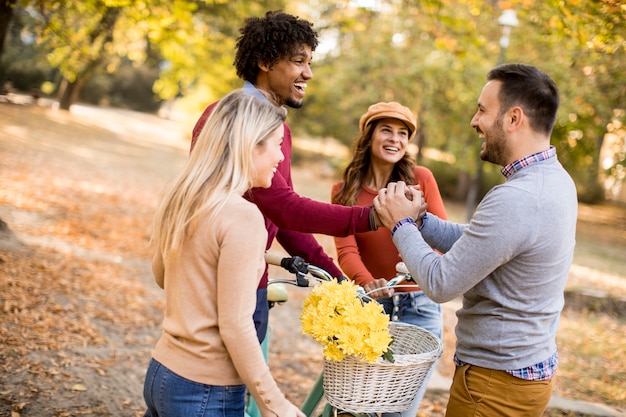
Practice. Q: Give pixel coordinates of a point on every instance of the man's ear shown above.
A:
(264, 67)
(514, 117)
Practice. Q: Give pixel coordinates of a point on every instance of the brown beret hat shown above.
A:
(392, 110)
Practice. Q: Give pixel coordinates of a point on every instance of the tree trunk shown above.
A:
(463, 184)
(420, 141)
(473, 193)
(71, 89)
(6, 14)
(69, 94)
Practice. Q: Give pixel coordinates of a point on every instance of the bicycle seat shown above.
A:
(277, 293)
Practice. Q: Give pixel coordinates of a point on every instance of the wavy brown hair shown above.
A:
(358, 168)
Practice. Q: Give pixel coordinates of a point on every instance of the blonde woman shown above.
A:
(209, 258)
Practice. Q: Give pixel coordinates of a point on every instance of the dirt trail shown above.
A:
(80, 310)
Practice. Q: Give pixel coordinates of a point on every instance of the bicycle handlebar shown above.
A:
(402, 274)
(304, 271)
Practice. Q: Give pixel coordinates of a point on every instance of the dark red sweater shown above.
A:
(291, 218)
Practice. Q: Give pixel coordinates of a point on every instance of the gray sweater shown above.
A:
(510, 264)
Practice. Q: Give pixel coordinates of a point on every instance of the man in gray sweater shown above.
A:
(511, 262)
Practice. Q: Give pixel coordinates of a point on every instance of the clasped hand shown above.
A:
(399, 201)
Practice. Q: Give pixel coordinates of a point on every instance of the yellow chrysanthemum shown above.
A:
(336, 318)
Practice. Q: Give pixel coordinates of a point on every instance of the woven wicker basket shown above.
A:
(383, 387)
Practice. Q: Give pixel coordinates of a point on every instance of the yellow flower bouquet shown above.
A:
(335, 317)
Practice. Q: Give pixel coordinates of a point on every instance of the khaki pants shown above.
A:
(481, 392)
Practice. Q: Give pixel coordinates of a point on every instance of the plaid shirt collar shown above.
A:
(515, 166)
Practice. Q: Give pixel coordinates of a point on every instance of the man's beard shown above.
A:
(495, 144)
(294, 104)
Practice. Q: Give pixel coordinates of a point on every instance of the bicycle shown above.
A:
(306, 275)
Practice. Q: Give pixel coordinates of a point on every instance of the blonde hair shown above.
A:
(219, 166)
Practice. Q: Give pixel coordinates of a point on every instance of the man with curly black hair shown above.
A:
(274, 53)
(273, 57)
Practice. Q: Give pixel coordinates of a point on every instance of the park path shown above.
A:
(80, 311)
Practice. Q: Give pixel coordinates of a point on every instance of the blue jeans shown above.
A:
(168, 394)
(415, 308)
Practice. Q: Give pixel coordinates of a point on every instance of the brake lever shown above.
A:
(302, 280)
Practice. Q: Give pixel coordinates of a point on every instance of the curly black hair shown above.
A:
(269, 39)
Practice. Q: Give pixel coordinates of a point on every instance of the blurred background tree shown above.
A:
(431, 55)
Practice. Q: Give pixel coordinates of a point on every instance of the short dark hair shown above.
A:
(531, 89)
(268, 39)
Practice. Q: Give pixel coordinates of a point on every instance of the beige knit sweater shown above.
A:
(210, 296)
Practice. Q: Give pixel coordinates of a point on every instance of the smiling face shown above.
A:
(390, 139)
(265, 158)
(288, 77)
(489, 124)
